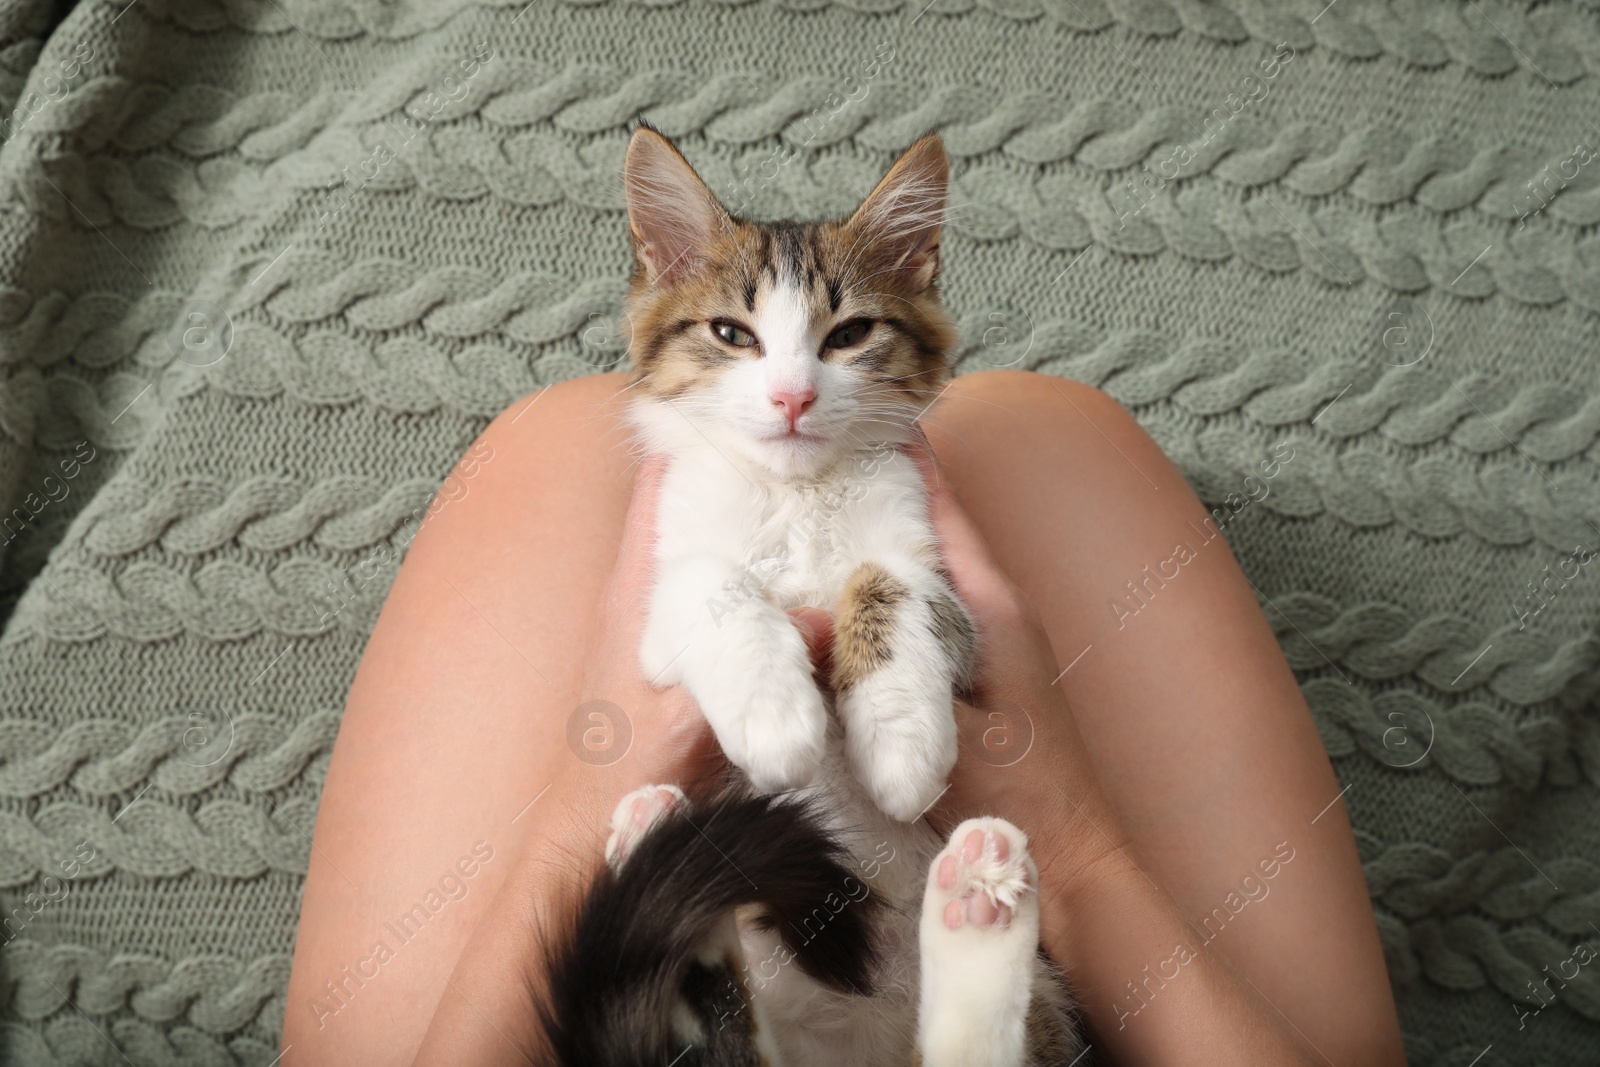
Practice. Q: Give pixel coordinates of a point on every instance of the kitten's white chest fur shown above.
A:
(805, 536)
(736, 548)
(800, 556)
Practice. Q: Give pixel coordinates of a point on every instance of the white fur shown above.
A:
(789, 341)
(736, 549)
(977, 981)
(753, 523)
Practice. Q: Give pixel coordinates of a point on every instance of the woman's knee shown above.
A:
(1057, 429)
(1034, 390)
(1061, 408)
(568, 405)
(557, 440)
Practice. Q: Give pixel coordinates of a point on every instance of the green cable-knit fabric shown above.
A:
(268, 266)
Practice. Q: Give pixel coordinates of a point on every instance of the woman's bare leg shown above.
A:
(459, 713)
(1202, 738)
(456, 721)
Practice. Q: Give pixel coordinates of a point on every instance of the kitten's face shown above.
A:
(787, 343)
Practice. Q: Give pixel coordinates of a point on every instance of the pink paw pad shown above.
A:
(636, 813)
(647, 809)
(985, 874)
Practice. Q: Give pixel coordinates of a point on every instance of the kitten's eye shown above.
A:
(850, 334)
(737, 336)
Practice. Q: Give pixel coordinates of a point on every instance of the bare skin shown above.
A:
(1187, 758)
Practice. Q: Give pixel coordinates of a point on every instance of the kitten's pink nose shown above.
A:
(794, 402)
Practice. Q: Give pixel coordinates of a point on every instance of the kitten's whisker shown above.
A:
(639, 380)
(901, 378)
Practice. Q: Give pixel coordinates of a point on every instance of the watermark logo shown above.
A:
(751, 583)
(418, 117)
(452, 885)
(1544, 187)
(1401, 747)
(1139, 192)
(1253, 888)
(1551, 584)
(1582, 955)
(52, 890)
(1405, 333)
(740, 194)
(202, 335)
(1142, 589)
(55, 86)
(1003, 735)
(599, 732)
(204, 738)
(604, 340)
(55, 490)
(337, 595)
(1007, 338)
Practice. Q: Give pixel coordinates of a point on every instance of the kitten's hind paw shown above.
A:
(979, 934)
(983, 874)
(635, 814)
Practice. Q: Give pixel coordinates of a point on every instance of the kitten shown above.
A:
(780, 367)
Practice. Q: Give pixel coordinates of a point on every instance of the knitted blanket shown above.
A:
(267, 267)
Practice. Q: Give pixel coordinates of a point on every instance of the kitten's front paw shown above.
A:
(773, 725)
(900, 738)
(635, 814)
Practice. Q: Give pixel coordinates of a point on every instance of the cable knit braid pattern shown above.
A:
(268, 266)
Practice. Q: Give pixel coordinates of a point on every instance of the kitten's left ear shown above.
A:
(672, 216)
(903, 215)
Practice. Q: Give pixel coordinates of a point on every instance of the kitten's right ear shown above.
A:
(672, 216)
